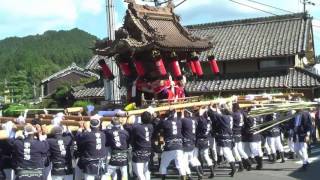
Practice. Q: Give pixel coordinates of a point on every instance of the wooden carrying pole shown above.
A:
(72, 125)
(76, 118)
(181, 106)
(156, 109)
(274, 124)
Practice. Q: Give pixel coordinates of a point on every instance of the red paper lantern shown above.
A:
(139, 68)
(160, 67)
(198, 67)
(176, 69)
(105, 70)
(125, 68)
(213, 64)
(192, 67)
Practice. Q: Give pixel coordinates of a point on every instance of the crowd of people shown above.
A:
(188, 143)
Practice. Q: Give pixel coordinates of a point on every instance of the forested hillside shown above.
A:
(33, 58)
(42, 55)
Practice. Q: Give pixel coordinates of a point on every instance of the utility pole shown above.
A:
(305, 3)
(34, 91)
(111, 90)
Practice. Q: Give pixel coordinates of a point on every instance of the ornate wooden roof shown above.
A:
(293, 78)
(264, 37)
(147, 27)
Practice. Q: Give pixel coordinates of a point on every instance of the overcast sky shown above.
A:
(30, 17)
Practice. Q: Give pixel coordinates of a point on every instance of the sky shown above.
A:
(30, 17)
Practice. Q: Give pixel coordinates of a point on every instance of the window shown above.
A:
(274, 64)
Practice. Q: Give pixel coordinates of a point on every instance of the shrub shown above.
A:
(82, 103)
(14, 110)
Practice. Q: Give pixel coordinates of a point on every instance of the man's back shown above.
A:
(91, 145)
(29, 153)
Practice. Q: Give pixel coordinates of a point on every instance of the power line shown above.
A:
(316, 26)
(254, 7)
(270, 6)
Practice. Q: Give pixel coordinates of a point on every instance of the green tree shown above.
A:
(42, 55)
(19, 87)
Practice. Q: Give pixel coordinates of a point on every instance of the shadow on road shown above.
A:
(313, 171)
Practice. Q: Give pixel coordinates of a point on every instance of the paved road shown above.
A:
(290, 170)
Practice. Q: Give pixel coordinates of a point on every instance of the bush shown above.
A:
(14, 110)
(62, 92)
(46, 103)
(82, 103)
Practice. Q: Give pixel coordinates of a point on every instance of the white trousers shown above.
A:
(238, 151)
(191, 158)
(9, 174)
(66, 177)
(167, 157)
(219, 151)
(92, 177)
(141, 170)
(300, 149)
(255, 148)
(112, 172)
(246, 148)
(227, 153)
(275, 144)
(267, 147)
(290, 144)
(214, 149)
(205, 154)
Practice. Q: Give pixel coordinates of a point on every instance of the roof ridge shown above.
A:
(304, 70)
(72, 67)
(249, 20)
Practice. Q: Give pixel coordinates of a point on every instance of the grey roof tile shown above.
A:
(73, 68)
(293, 78)
(254, 38)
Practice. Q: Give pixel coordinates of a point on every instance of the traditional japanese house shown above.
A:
(94, 91)
(70, 75)
(259, 55)
(269, 54)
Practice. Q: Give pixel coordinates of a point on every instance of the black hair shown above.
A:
(36, 121)
(235, 107)
(171, 113)
(146, 117)
(268, 117)
(226, 111)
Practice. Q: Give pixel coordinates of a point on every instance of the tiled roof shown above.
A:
(73, 68)
(255, 38)
(89, 92)
(293, 78)
(93, 62)
(146, 28)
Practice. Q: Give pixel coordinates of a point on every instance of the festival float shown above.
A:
(150, 49)
(155, 53)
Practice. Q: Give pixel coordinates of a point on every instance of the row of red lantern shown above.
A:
(193, 63)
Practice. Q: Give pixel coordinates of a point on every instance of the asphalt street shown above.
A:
(290, 170)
